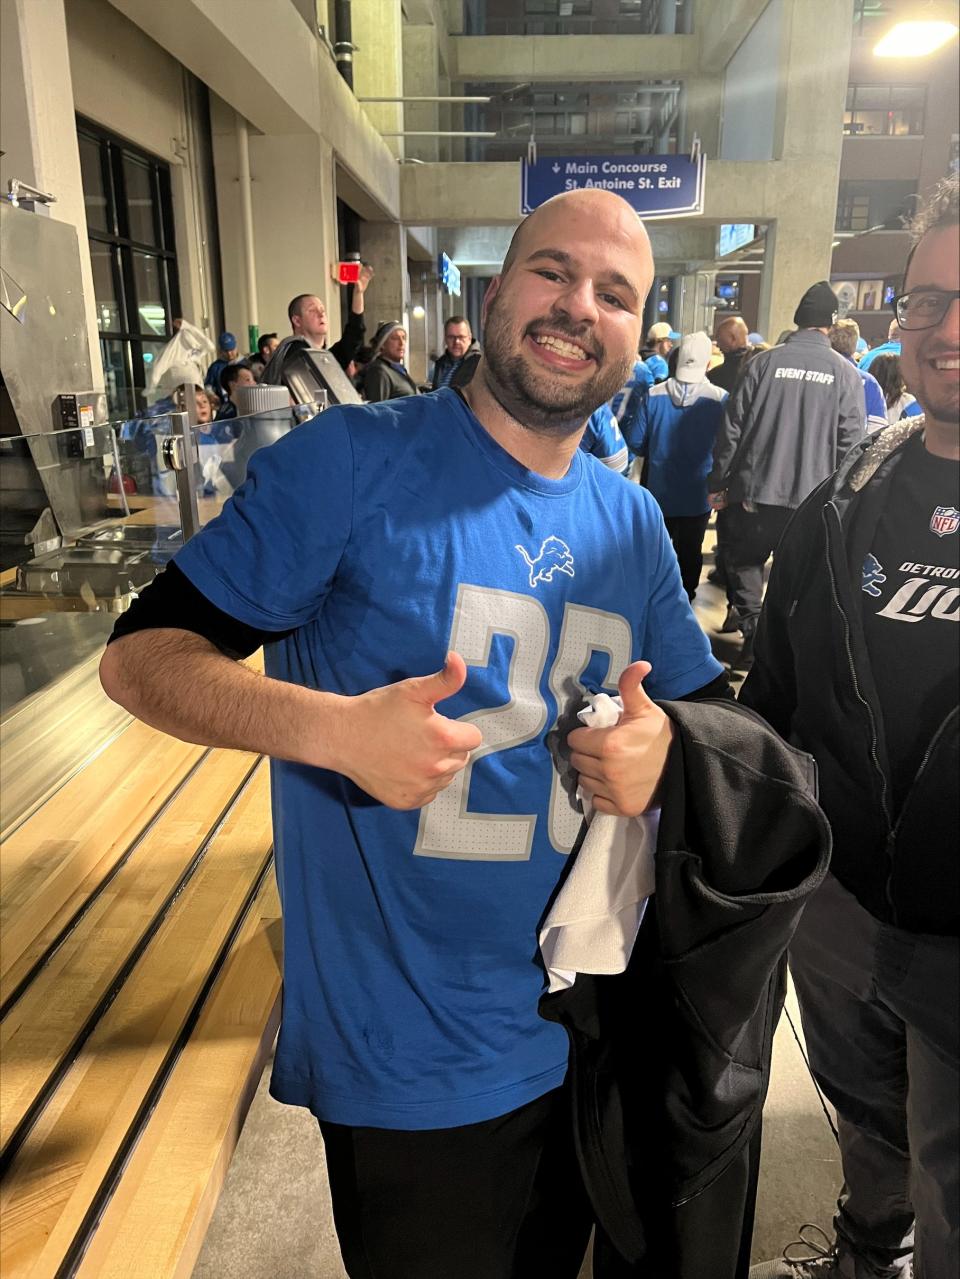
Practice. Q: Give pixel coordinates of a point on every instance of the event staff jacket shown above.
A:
(670, 1060)
(796, 412)
(812, 681)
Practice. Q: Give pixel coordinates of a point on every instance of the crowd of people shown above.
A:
(474, 1125)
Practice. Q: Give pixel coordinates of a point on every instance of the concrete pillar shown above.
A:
(438, 315)
(40, 132)
(378, 64)
(421, 334)
(388, 294)
(701, 110)
(420, 79)
(294, 223)
(798, 248)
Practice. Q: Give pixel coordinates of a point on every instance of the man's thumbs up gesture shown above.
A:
(396, 746)
(620, 768)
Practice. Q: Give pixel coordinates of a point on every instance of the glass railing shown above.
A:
(98, 539)
(224, 450)
(89, 517)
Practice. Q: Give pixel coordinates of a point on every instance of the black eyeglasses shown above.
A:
(923, 308)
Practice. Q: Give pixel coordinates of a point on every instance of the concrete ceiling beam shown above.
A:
(722, 28)
(277, 77)
(488, 195)
(576, 59)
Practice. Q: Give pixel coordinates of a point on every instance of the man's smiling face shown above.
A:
(563, 322)
(930, 358)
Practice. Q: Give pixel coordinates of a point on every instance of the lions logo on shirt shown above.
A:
(872, 574)
(944, 520)
(554, 556)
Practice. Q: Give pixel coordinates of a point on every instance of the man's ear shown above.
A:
(493, 288)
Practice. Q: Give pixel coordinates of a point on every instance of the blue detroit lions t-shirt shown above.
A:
(384, 536)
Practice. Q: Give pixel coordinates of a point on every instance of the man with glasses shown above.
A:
(857, 662)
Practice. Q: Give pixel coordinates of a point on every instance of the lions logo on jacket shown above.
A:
(554, 557)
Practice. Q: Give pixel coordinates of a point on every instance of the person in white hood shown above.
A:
(675, 430)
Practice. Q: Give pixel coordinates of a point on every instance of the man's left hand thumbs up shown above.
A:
(620, 768)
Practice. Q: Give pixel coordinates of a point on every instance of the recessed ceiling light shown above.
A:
(915, 39)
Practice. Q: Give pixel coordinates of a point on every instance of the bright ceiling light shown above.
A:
(915, 39)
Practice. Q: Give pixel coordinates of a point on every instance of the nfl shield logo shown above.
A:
(944, 520)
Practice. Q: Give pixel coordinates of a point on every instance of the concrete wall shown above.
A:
(276, 75)
(927, 155)
(125, 82)
(294, 223)
(750, 91)
(37, 131)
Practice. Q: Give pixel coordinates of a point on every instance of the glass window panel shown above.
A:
(148, 281)
(140, 202)
(578, 124)
(109, 313)
(116, 375)
(94, 195)
(870, 123)
(859, 213)
(150, 352)
(872, 97)
(907, 95)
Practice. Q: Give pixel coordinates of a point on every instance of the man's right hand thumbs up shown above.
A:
(431, 689)
(397, 747)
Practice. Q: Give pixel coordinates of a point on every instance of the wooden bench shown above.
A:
(140, 946)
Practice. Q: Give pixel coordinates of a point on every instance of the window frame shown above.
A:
(130, 335)
(851, 109)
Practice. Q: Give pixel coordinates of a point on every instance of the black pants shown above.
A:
(686, 534)
(719, 550)
(501, 1199)
(504, 1200)
(750, 538)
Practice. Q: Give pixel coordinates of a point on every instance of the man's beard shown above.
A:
(542, 404)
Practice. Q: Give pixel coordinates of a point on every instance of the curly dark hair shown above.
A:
(941, 209)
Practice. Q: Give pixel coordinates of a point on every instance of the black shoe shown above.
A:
(731, 622)
(717, 578)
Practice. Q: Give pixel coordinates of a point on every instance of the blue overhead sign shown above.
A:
(449, 275)
(658, 186)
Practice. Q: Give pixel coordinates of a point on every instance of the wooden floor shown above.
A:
(140, 946)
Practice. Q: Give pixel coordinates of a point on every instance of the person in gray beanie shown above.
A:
(798, 409)
(386, 376)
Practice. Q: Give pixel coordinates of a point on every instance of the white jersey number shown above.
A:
(447, 829)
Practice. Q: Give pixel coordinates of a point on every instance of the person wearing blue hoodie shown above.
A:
(675, 429)
(890, 347)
